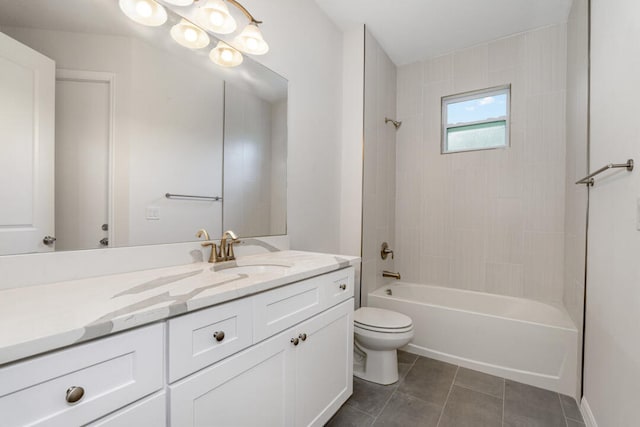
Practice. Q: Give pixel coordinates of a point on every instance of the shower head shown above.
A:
(396, 123)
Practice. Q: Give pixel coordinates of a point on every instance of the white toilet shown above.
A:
(378, 334)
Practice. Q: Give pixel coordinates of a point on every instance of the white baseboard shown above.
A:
(589, 419)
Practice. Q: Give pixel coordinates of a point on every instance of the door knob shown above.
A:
(219, 336)
(303, 337)
(343, 286)
(48, 240)
(105, 241)
(295, 341)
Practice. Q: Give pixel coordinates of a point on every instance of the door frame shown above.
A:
(63, 74)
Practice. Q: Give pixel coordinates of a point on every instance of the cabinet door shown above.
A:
(252, 388)
(324, 365)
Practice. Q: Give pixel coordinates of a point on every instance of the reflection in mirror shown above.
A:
(102, 117)
(255, 131)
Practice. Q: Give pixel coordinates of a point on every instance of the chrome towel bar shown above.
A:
(589, 178)
(187, 196)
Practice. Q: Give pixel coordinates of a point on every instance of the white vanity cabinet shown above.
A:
(278, 357)
(298, 376)
(77, 385)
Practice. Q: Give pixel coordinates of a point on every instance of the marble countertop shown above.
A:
(37, 319)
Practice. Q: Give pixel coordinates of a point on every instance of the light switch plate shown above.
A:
(153, 213)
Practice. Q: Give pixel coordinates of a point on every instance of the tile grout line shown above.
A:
(566, 423)
(448, 394)
(504, 397)
(396, 387)
(482, 392)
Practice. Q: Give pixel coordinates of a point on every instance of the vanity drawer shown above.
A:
(199, 339)
(281, 308)
(150, 411)
(340, 288)
(112, 372)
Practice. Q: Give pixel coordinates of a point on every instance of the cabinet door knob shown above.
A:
(74, 394)
(219, 335)
(303, 337)
(343, 286)
(295, 341)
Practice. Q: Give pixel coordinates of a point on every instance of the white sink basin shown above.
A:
(254, 269)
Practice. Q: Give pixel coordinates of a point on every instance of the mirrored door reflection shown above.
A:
(83, 117)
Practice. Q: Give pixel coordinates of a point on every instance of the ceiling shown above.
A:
(413, 30)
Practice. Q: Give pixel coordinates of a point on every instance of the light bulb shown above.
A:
(216, 18)
(252, 43)
(226, 55)
(144, 8)
(145, 12)
(190, 35)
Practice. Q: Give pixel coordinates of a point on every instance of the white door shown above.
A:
(83, 129)
(324, 365)
(27, 85)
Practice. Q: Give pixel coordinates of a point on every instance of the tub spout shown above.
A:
(386, 273)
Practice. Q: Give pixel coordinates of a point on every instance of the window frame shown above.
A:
(468, 96)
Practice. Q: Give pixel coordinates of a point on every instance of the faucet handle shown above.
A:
(230, 255)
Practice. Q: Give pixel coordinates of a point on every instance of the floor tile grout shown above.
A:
(478, 391)
(448, 394)
(564, 414)
(396, 387)
(504, 398)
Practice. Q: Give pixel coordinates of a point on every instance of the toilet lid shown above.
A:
(380, 318)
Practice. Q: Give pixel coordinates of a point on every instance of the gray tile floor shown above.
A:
(438, 394)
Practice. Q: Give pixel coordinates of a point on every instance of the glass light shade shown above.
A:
(214, 15)
(250, 40)
(225, 56)
(189, 35)
(145, 12)
(179, 2)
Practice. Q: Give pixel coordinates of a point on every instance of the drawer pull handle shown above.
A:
(74, 394)
(219, 336)
(343, 286)
(295, 341)
(303, 337)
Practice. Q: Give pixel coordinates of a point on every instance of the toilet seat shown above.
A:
(380, 320)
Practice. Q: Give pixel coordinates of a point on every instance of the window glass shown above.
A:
(476, 121)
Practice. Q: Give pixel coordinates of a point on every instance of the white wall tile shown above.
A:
(505, 279)
(490, 220)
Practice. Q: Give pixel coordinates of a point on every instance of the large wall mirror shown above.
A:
(112, 134)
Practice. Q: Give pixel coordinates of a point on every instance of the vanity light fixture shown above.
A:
(225, 56)
(250, 40)
(145, 12)
(189, 35)
(214, 15)
(179, 2)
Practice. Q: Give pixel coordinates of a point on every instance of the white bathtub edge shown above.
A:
(587, 415)
(549, 382)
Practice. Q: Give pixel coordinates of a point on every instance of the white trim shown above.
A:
(109, 78)
(587, 415)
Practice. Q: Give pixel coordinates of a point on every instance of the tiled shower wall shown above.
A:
(491, 220)
(379, 178)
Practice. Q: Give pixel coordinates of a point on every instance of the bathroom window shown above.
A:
(476, 120)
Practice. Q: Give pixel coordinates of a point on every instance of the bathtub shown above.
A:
(515, 338)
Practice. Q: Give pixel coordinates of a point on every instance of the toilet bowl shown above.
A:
(378, 334)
